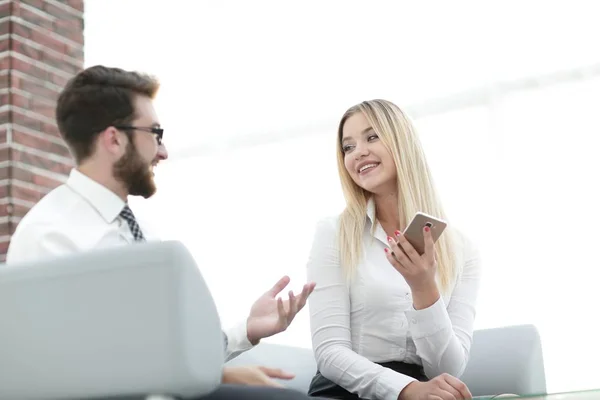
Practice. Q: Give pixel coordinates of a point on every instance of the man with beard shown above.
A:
(107, 118)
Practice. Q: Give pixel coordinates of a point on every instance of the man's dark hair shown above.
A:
(96, 98)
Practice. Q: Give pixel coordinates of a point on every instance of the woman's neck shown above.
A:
(387, 210)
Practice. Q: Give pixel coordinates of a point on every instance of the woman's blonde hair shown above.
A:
(416, 191)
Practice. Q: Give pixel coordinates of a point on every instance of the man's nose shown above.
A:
(162, 153)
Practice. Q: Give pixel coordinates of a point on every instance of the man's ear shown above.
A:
(112, 140)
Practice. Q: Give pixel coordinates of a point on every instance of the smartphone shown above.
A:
(414, 231)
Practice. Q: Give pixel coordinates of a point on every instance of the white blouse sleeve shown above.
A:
(443, 334)
(329, 307)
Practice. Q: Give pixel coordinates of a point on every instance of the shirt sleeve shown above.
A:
(32, 242)
(329, 307)
(442, 333)
(237, 341)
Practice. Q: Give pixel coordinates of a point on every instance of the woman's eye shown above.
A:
(372, 137)
(346, 148)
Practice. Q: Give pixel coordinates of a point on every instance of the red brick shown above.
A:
(24, 175)
(26, 121)
(46, 39)
(76, 4)
(42, 107)
(4, 80)
(4, 99)
(41, 162)
(45, 181)
(4, 210)
(4, 155)
(5, 27)
(5, 45)
(5, 61)
(35, 87)
(47, 57)
(40, 143)
(4, 172)
(5, 228)
(34, 122)
(27, 194)
(39, 4)
(26, 50)
(5, 8)
(69, 28)
(27, 66)
(62, 12)
(17, 100)
(25, 13)
(51, 129)
(5, 117)
(68, 46)
(3, 250)
(19, 211)
(17, 28)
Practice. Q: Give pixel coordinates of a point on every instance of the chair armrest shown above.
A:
(125, 321)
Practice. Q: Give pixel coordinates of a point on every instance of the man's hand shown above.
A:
(254, 376)
(270, 315)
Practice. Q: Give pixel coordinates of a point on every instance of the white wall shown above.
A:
(518, 174)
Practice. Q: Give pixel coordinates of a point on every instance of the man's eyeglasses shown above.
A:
(156, 131)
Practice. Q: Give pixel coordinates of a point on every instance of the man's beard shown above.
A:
(135, 173)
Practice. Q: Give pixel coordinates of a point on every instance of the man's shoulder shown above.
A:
(56, 225)
(59, 211)
(54, 206)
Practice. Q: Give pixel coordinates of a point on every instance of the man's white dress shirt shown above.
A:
(372, 319)
(82, 215)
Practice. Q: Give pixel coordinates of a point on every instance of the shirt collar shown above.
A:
(104, 201)
(371, 210)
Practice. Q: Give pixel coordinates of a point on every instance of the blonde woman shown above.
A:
(388, 323)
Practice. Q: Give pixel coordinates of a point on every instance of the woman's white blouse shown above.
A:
(372, 319)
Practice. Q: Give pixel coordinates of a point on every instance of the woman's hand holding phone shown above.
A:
(418, 270)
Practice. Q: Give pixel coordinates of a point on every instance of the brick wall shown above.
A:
(41, 47)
